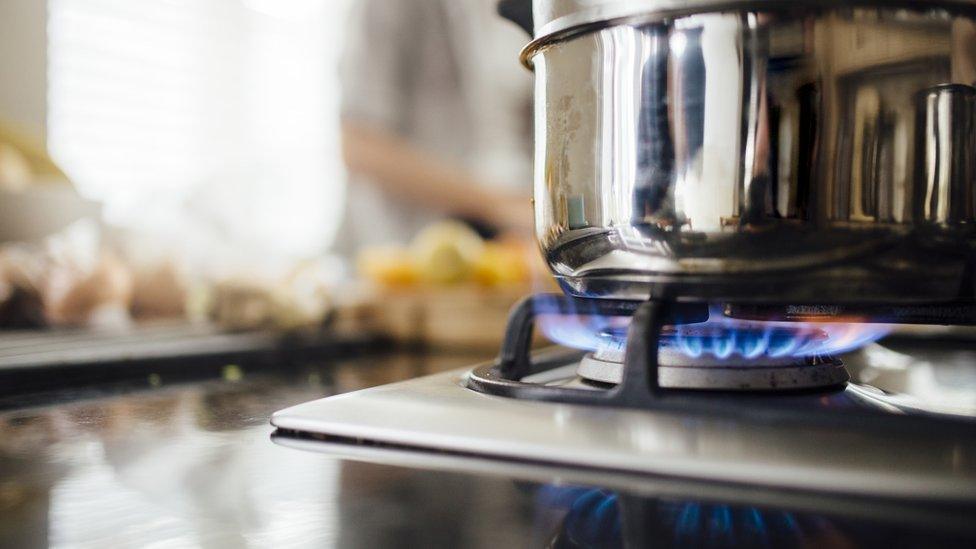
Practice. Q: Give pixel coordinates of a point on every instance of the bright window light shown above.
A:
(217, 118)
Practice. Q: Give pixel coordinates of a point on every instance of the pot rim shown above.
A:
(610, 13)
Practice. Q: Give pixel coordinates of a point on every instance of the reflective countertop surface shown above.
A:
(192, 464)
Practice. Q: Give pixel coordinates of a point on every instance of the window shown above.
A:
(212, 117)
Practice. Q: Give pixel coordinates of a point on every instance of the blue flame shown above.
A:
(753, 340)
(721, 337)
(583, 332)
(594, 517)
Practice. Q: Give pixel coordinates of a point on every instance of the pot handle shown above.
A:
(518, 12)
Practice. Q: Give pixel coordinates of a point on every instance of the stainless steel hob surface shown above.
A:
(750, 442)
(190, 463)
(171, 460)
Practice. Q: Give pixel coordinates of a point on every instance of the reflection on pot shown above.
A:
(829, 151)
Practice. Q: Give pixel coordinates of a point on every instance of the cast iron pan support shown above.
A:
(643, 337)
(640, 382)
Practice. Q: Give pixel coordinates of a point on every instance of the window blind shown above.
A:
(216, 116)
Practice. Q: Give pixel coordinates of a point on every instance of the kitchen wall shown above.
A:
(23, 64)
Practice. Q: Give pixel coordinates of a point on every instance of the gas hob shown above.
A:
(440, 414)
(744, 408)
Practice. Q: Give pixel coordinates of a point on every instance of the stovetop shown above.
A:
(872, 443)
(189, 462)
(750, 414)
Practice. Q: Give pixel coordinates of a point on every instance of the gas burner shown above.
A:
(741, 360)
(637, 418)
(670, 355)
(665, 355)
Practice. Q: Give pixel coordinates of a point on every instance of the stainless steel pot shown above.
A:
(804, 151)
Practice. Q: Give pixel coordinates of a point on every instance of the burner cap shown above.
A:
(678, 371)
(733, 369)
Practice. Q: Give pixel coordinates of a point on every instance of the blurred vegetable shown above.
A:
(83, 298)
(21, 305)
(301, 298)
(449, 253)
(501, 264)
(389, 266)
(159, 291)
(446, 252)
(67, 279)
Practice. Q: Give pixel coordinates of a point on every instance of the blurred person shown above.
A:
(436, 120)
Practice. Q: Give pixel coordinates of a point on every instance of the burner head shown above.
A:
(709, 359)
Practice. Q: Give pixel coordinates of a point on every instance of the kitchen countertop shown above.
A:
(192, 463)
